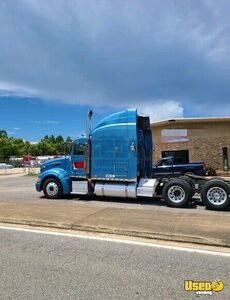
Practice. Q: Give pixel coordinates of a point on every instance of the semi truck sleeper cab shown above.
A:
(115, 160)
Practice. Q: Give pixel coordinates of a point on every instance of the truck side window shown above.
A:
(78, 149)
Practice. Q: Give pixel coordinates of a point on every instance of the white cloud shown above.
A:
(47, 122)
(113, 52)
(157, 110)
(13, 89)
(162, 110)
(33, 143)
(51, 122)
(17, 128)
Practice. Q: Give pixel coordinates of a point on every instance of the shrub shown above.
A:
(211, 171)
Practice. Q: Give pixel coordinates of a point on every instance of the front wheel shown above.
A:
(215, 194)
(52, 189)
(177, 193)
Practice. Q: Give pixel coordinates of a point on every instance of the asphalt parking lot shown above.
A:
(20, 188)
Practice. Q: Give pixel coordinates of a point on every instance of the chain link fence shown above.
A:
(6, 169)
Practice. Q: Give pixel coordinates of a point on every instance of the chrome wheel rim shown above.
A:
(216, 195)
(52, 189)
(176, 194)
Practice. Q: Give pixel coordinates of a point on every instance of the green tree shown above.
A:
(3, 134)
(33, 150)
(6, 149)
(48, 145)
(68, 145)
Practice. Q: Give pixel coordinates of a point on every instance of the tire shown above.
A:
(215, 194)
(52, 188)
(190, 181)
(177, 193)
(190, 173)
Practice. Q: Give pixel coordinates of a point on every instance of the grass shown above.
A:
(32, 174)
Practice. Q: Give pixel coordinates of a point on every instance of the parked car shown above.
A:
(5, 166)
(166, 166)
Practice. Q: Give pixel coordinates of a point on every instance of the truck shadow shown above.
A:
(157, 201)
(195, 203)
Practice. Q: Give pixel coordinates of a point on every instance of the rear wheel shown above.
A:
(215, 194)
(189, 173)
(52, 189)
(177, 193)
(190, 181)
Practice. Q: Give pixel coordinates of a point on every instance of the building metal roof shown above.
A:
(190, 120)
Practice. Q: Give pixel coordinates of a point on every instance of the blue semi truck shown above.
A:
(115, 160)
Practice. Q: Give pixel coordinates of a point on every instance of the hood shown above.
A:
(54, 163)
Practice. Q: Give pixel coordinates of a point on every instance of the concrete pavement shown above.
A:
(208, 228)
(21, 204)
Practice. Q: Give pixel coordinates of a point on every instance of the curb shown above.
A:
(198, 240)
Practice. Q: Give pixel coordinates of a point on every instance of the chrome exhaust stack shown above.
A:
(88, 145)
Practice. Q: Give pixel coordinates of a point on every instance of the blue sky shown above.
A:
(59, 58)
(33, 118)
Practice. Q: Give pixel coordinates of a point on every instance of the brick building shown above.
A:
(193, 140)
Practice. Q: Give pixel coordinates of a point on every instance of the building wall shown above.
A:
(206, 140)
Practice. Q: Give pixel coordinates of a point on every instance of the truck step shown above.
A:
(79, 187)
(147, 187)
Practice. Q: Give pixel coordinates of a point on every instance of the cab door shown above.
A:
(121, 160)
